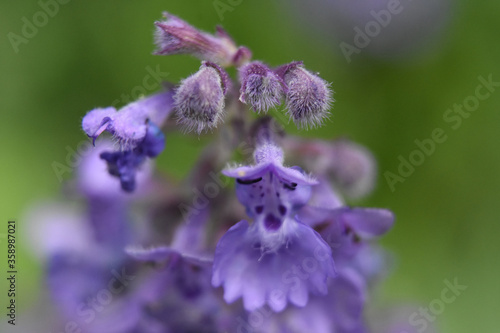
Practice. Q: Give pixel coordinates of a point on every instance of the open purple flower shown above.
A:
(276, 259)
(180, 281)
(129, 125)
(136, 128)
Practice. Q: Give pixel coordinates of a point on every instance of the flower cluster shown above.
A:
(154, 255)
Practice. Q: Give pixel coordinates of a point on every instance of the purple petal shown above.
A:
(189, 237)
(290, 175)
(367, 222)
(300, 266)
(324, 196)
(94, 179)
(130, 125)
(247, 172)
(348, 298)
(97, 121)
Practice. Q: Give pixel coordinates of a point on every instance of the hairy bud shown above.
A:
(308, 97)
(260, 87)
(175, 36)
(199, 101)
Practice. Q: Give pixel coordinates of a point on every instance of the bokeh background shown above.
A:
(391, 93)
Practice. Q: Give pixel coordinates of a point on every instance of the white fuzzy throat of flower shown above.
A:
(268, 153)
(273, 241)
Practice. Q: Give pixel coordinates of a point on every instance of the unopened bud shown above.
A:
(260, 87)
(199, 101)
(175, 36)
(308, 97)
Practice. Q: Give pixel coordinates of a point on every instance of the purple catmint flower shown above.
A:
(262, 262)
(94, 180)
(260, 86)
(175, 36)
(177, 295)
(76, 272)
(297, 248)
(130, 124)
(124, 164)
(308, 97)
(353, 168)
(199, 101)
(106, 202)
(135, 127)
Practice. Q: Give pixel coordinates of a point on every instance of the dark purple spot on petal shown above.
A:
(248, 181)
(282, 209)
(290, 187)
(271, 222)
(259, 209)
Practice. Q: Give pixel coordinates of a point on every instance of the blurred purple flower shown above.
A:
(135, 127)
(349, 166)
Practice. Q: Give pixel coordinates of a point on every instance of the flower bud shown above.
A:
(199, 101)
(308, 96)
(260, 87)
(354, 168)
(175, 36)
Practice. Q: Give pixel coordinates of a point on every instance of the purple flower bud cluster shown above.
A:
(148, 254)
(200, 98)
(135, 128)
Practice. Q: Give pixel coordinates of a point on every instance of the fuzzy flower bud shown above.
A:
(260, 87)
(308, 97)
(175, 36)
(354, 168)
(199, 101)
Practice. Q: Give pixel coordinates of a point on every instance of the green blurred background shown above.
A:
(447, 227)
